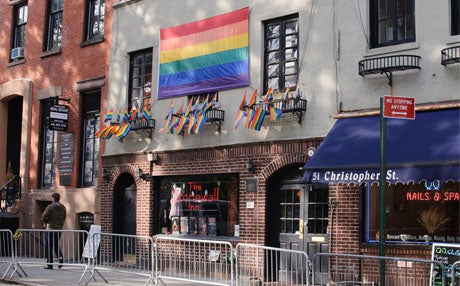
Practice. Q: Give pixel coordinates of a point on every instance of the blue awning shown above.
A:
(427, 148)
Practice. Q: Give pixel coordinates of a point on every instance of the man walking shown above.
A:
(54, 217)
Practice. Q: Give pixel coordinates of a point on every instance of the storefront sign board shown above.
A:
(447, 255)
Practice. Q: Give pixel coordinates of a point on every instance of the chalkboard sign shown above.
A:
(446, 254)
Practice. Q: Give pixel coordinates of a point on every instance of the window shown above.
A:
(49, 146)
(90, 143)
(199, 205)
(281, 64)
(392, 22)
(54, 26)
(318, 208)
(20, 21)
(455, 17)
(290, 210)
(420, 213)
(140, 80)
(95, 19)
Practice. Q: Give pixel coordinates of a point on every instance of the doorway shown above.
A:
(14, 127)
(298, 215)
(124, 217)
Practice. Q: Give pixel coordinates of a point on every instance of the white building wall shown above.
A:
(333, 38)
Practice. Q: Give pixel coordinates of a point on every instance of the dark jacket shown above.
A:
(54, 216)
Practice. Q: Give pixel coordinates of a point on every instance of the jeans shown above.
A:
(52, 244)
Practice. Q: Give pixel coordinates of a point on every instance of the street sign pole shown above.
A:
(383, 186)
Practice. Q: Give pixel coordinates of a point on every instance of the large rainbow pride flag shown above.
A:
(204, 56)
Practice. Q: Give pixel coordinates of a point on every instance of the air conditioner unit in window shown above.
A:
(17, 53)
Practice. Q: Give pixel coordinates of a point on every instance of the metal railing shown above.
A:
(30, 248)
(259, 265)
(195, 260)
(10, 192)
(6, 249)
(131, 254)
(350, 269)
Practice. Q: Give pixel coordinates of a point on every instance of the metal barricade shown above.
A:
(195, 260)
(130, 254)
(29, 245)
(262, 265)
(350, 269)
(455, 273)
(6, 250)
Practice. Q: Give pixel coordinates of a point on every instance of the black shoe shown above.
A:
(61, 260)
(48, 267)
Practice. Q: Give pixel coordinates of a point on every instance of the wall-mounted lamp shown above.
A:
(140, 174)
(105, 175)
(154, 158)
(249, 165)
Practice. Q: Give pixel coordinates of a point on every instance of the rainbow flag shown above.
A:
(239, 118)
(123, 131)
(200, 124)
(126, 115)
(257, 119)
(243, 101)
(109, 115)
(275, 114)
(146, 114)
(134, 114)
(100, 132)
(118, 115)
(252, 101)
(204, 56)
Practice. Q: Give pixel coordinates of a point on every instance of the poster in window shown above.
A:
(202, 226)
(212, 229)
(175, 225)
(193, 226)
(184, 225)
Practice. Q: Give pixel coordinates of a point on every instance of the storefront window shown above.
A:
(415, 213)
(199, 206)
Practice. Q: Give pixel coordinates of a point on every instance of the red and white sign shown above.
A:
(398, 107)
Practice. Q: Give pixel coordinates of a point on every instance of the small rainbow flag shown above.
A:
(126, 115)
(146, 114)
(275, 114)
(258, 118)
(243, 101)
(123, 130)
(100, 132)
(109, 115)
(252, 101)
(206, 55)
(269, 95)
(200, 124)
(239, 118)
(134, 114)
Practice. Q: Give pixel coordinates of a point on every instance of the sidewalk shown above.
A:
(70, 275)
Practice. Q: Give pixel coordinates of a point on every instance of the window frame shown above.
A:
(405, 204)
(93, 18)
(54, 24)
(143, 79)
(90, 111)
(282, 49)
(48, 155)
(375, 20)
(19, 28)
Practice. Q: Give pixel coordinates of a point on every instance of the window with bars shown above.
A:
(54, 26)
(21, 12)
(140, 77)
(290, 210)
(281, 56)
(392, 22)
(95, 19)
(49, 147)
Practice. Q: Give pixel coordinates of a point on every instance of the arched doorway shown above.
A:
(124, 216)
(297, 213)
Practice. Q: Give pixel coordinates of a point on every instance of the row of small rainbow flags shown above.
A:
(255, 115)
(121, 126)
(195, 115)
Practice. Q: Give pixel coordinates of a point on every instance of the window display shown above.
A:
(199, 206)
(423, 213)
